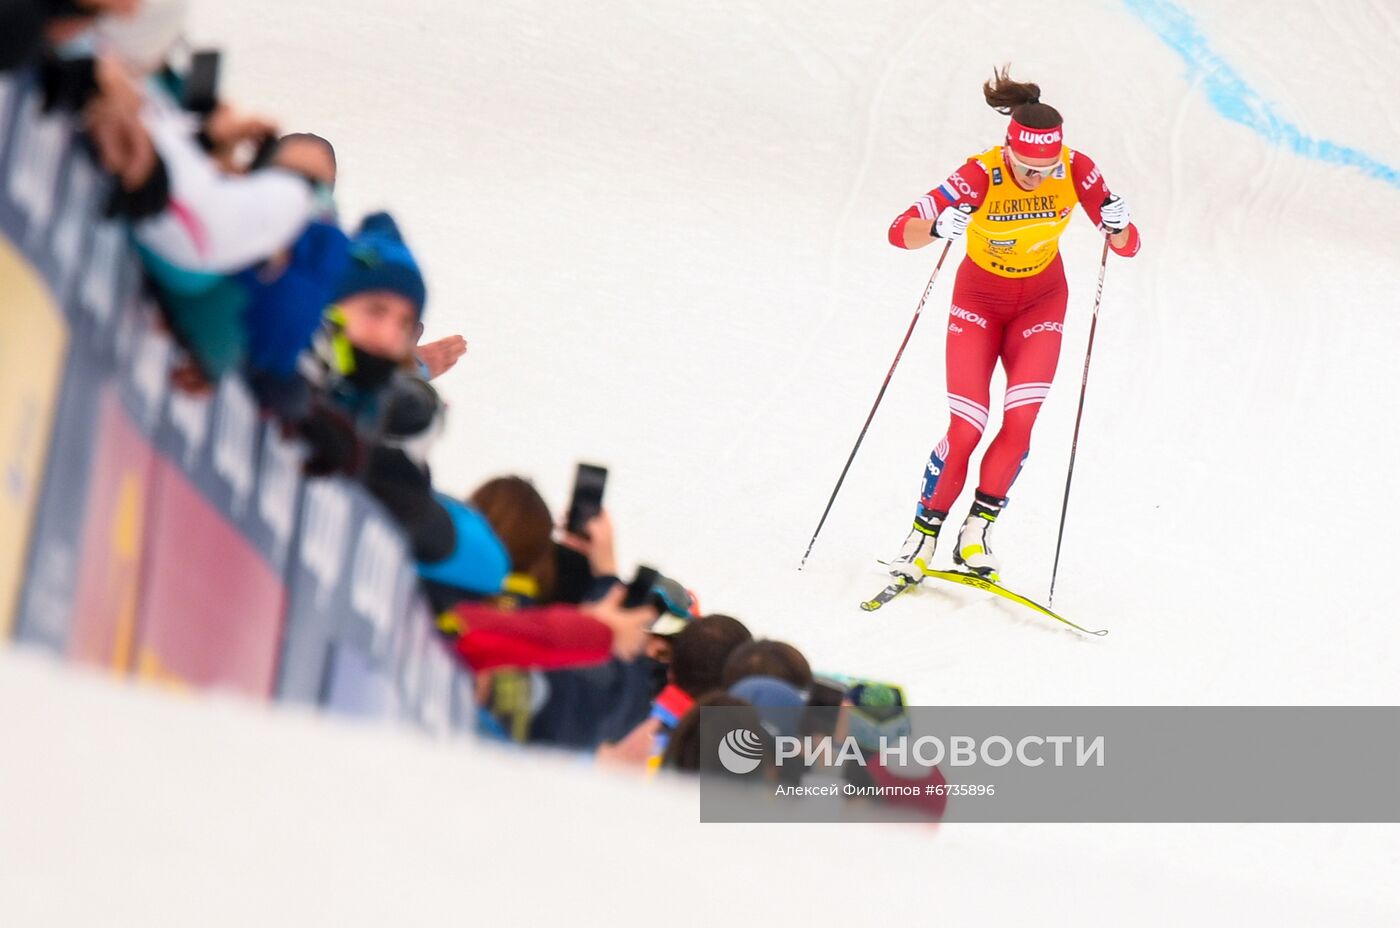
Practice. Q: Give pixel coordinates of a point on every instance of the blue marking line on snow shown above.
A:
(1234, 99)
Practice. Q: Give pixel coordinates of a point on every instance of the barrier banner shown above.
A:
(109, 559)
(33, 346)
(33, 165)
(425, 671)
(213, 601)
(10, 86)
(272, 528)
(238, 462)
(211, 607)
(114, 528)
(106, 290)
(351, 580)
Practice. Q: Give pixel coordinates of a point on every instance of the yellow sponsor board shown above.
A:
(33, 343)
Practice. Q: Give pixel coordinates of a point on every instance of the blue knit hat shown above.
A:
(379, 260)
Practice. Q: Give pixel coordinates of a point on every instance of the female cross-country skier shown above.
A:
(1012, 202)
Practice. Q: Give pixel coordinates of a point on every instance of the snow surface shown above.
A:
(662, 228)
(123, 805)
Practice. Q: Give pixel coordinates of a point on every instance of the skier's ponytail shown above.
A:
(1020, 100)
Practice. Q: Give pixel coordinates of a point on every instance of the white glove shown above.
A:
(951, 223)
(1113, 215)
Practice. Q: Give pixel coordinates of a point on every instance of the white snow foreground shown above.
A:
(128, 805)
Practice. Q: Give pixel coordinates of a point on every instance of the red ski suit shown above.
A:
(1008, 304)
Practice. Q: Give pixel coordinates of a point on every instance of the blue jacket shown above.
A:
(283, 314)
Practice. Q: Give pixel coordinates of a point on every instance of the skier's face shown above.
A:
(1030, 173)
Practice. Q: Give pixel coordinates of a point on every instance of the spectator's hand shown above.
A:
(597, 547)
(123, 146)
(113, 120)
(441, 356)
(630, 627)
(635, 749)
(117, 86)
(227, 128)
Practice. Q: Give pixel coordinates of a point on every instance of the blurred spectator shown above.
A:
(488, 637)
(311, 156)
(288, 293)
(141, 33)
(698, 653)
(26, 25)
(782, 709)
(469, 561)
(582, 707)
(778, 702)
(768, 658)
(512, 644)
(683, 752)
(591, 706)
(521, 519)
(584, 565)
(356, 368)
(595, 545)
(368, 335)
(216, 222)
(218, 241)
(877, 711)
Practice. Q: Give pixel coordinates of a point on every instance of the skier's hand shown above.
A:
(951, 224)
(1114, 215)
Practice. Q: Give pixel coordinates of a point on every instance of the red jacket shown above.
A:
(538, 638)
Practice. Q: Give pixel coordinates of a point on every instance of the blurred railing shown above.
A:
(167, 535)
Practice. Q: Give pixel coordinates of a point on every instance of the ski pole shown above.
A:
(1074, 443)
(881, 395)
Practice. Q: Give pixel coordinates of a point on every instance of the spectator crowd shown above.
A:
(244, 252)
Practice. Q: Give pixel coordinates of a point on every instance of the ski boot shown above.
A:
(974, 549)
(917, 554)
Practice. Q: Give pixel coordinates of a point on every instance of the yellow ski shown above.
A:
(972, 580)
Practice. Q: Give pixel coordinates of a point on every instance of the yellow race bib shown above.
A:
(1017, 232)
